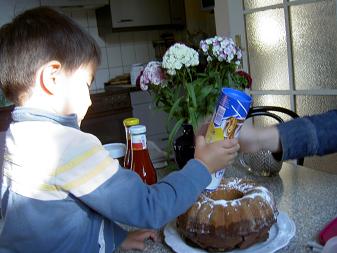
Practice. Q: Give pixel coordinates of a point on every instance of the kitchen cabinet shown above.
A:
(105, 117)
(124, 15)
(74, 4)
(177, 10)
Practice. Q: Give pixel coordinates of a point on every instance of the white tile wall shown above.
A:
(22, 5)
(6, 11)
(119, 50)
(114, 55)
(141, 46)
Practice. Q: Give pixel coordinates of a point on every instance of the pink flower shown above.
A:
(152, 74)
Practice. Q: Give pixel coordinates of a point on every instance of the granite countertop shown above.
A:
(308, 197)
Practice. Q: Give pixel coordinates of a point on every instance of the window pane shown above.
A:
(301, 1)
(314, 36)
(267, 50)
(274, 100)
(308, 105)
(251, 4)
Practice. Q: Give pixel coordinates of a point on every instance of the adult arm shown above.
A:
(307, 136)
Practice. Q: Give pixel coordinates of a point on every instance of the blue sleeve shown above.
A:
(119, 235)
(308, 136)
(125, 198)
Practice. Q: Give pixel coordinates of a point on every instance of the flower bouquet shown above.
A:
(187, 83)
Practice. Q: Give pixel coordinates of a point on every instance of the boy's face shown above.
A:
(74, 90)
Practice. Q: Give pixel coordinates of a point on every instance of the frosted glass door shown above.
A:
(291, 48)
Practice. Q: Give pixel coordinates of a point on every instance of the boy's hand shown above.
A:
(216, 155)
(202, 128)
(136, 239)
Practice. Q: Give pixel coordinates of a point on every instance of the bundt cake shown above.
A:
(237, 214)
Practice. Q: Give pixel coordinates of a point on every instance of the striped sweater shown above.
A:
(62, 192)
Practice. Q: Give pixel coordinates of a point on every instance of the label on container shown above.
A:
(216, 179)
(138, 142)
(228, 118)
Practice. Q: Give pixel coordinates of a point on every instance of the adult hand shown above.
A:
(253, 139)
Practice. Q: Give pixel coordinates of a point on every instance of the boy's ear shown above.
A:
(49, 76)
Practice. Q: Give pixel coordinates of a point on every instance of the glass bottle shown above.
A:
(140, 159)
(128, 122)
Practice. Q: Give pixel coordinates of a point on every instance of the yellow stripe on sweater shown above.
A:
(80, 180)
(76, 161)
(88, 176)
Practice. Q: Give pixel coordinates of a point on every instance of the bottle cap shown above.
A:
(139, 129)
(130, 121)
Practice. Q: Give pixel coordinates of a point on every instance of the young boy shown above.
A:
(61, 191)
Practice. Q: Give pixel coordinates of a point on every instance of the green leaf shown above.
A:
(202, 74)
(174, 108)
(191, 94)
(193, 119)
(174, 131)
(205, 92)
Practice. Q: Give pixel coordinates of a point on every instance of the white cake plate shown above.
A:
(280, 235)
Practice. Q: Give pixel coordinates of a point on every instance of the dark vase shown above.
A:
(184, 146)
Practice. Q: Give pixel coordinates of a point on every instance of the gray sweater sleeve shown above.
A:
(308, 136)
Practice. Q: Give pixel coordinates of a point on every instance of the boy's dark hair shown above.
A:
(36, 37)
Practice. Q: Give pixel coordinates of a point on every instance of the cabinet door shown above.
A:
(177, 12)
(133, 13)
(107, 128)
(105, 117)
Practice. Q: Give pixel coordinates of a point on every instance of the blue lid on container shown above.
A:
(237, 94)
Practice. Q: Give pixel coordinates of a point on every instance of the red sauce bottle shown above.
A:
(128, 152)
(140, 159)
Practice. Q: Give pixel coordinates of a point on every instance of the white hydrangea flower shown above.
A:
(179, 56)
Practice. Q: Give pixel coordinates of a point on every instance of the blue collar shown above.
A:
(20, 114)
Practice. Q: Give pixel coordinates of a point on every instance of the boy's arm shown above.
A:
(125, 198)
(91, 175)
